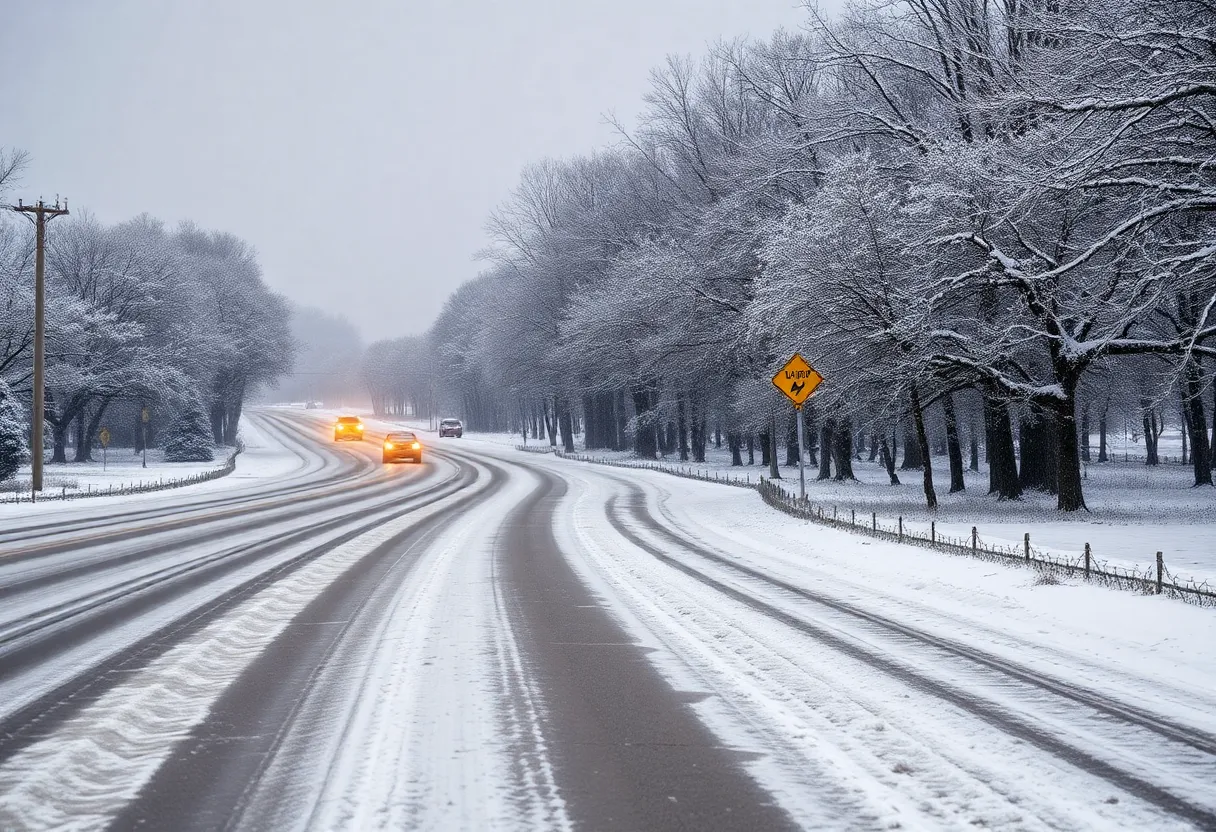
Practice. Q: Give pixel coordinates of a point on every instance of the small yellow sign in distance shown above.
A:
(797, 379)
(104, 436)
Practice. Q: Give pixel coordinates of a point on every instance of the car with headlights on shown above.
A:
(348, 429)
(400, 445)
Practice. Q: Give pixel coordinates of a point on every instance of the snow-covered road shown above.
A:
(497, 639)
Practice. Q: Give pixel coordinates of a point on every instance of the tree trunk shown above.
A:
(94, 423)
(751, 448)
(810, 435)
(217, 424)
(773, 472)
(1069, 496)
(1148, 419)
(59, 437)
(764, 447)
(1085, 432)
(791, 440)
(1201, 460)
(567, 427)
(82, 443)
(922, 439)
(873, 446)
(888, 459)
(953, 449)
(1002, 462)
(682, 428)
(1039, 446)
(914, 454)
(975, 445)
(1102, 457)
(826, 429)
(698, 432)
(735, 442)
(843, 450)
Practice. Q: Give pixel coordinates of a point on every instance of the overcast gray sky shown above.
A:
(358, 145)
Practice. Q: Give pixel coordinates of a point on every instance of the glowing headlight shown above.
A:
(359, 426)
(416, 445)
(341, 427)
(388, 446)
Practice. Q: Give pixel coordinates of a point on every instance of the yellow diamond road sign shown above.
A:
(104, 436)
(797, 379)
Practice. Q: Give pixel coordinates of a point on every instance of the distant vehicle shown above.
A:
(348, 428)
(310, 405)
(451, 427)
(402, 445)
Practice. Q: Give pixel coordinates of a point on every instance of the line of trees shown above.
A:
(137, 316)
(989, 223)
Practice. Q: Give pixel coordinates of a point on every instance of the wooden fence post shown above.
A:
(1027, 545)
(874, 519)
(901, 528)
(852, 517)
(1160, 571)
(1087, 561)
(933, 531)
(974, 539)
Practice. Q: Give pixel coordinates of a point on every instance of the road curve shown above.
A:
(504, 640)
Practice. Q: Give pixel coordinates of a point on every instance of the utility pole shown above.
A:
(40, 214)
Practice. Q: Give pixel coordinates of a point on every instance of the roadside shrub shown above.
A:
(189, 435)
(13, 430)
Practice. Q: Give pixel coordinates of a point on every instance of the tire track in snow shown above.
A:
(989, 712)
(90, 681)
(98, 759)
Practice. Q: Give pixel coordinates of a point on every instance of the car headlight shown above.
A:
(341, 427)
(359, 427)
(416, 445)
(388, 446)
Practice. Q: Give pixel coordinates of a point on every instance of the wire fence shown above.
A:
(1155, 580)
(139, 487)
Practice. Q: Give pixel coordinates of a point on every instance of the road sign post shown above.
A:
(104, 437)
(144, 418)
(798, 380)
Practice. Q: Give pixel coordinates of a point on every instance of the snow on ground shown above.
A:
(121, 468)
(1134, 512)
(268, 458)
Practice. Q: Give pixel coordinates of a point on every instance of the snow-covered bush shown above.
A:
(12, 433)
(189, 437)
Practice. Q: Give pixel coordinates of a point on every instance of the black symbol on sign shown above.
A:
(796, 387)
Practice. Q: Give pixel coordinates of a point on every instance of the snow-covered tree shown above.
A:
(189, 436)
(14, 432)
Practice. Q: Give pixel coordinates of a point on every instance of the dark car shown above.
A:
(451, 427)
(402, 445)
(348, 427)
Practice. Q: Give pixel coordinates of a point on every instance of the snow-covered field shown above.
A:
(265, 460)
(116, 469)
(1134, 512)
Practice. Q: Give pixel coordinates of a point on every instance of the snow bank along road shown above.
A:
(503, 640)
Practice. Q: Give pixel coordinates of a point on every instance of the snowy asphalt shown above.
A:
(504, 640)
